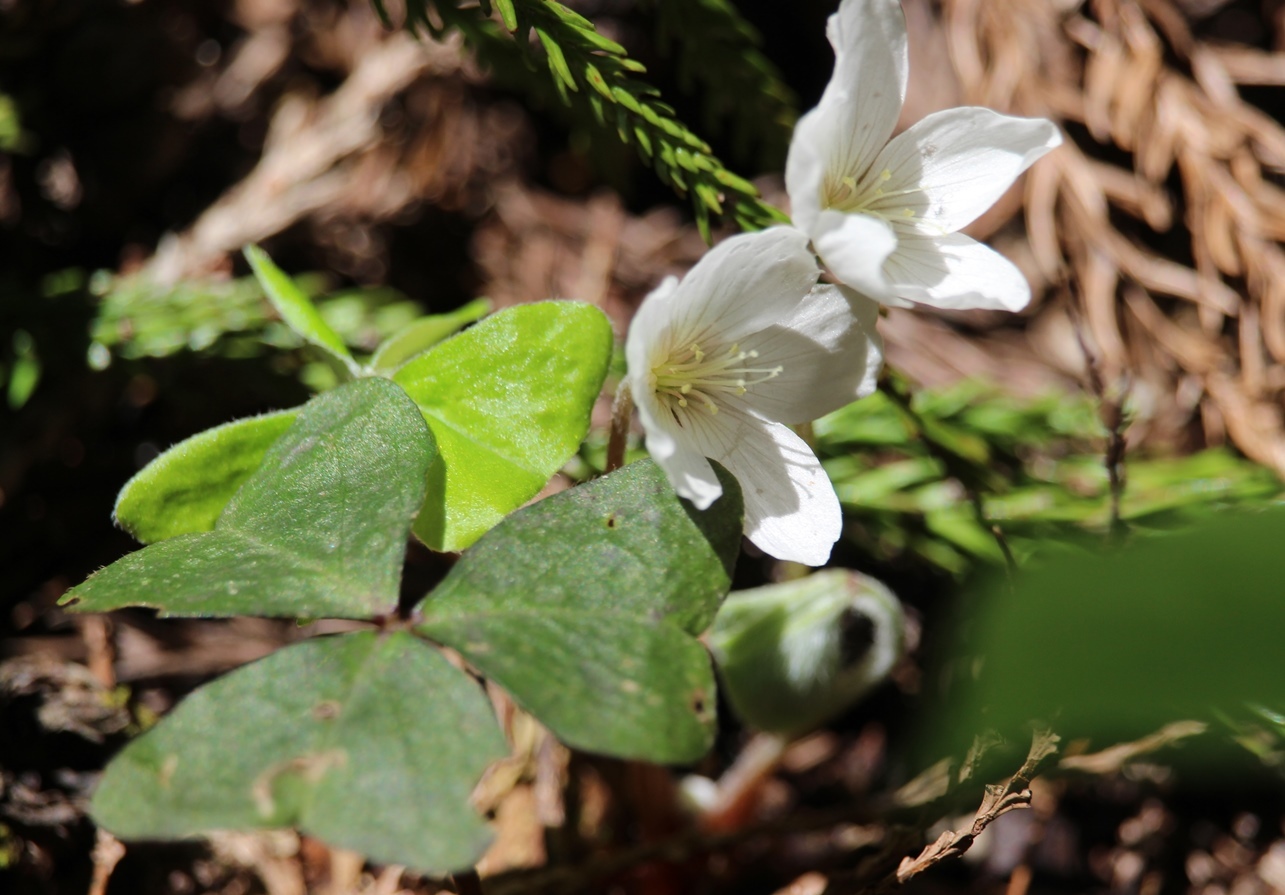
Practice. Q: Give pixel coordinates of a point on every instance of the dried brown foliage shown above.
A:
(1164, 222)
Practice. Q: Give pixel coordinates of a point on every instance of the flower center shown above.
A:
(690, 374)
(867, 196)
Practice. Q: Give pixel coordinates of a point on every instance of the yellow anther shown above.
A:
(688, 372)
(885, 174)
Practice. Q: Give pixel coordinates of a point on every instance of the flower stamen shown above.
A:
(851, 195)
(690, 374)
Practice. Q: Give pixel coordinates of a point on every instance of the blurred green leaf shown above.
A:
(319, 530)
(367, 741)
(958, 525)
(871, 421)
(137, 317)
(12, 137)
(508, 402)
(886, 485)
(584, 607)
(1039, 475)
(23, 378)
(1113, 645)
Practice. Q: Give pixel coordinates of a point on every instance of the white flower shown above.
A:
(723, 362)
(883, 214)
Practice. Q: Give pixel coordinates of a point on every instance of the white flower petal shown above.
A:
(650, 322)
(791, 510)
(741, 285)
(955, 272)
(857, 112)
(829, 354)
(685, 465)
(806, 166)
(854, 247)
(953, 165)
(653, 314)
(870, 50)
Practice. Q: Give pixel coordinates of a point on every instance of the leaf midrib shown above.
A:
(489, 448)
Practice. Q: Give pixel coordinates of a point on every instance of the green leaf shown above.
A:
(295, 308)
(584, 605)
(25, 375)
(508, 14)
(368, 742)
(508, 402)
(23, 380)
(1115, 645)
(424, 333)
(185, 489)
(557, 62)
(318, 531)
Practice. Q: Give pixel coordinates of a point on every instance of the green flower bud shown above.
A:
(793, 655)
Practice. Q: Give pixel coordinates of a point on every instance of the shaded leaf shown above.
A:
(319, 530)
(368, 742)
(584, 605)
(603, 681)
(624, 542)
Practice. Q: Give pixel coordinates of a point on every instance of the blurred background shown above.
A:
(143, 143)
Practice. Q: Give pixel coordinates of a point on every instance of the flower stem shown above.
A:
(622, 413)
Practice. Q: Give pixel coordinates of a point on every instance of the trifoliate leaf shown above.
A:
(368, 742)
(319, 530)
(584, 605)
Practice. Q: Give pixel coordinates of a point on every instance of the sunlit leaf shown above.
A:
(424, 333)
(508, 402)
(295, 308)
(185, 489)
